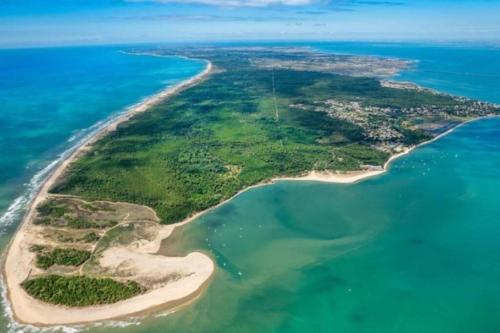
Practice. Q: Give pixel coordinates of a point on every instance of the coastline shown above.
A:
(349, 177)
(57, 312)
(357, 176)
(16, 259)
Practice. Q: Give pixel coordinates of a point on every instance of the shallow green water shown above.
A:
(414, 250)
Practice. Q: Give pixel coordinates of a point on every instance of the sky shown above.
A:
(25, 23)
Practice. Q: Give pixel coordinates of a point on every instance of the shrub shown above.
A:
(59, 256)
(51, 208)
(80, 290)
(90, 237)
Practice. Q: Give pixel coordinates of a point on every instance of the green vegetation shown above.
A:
(350, 155)
(123, 235)
(75, 214)
(79, 223)
(61, 256)
(244, 125)
(80, 290)
(51, 208)
(37, 248)
(239, 128)
(90, 237)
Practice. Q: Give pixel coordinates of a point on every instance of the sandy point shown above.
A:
(196, 268)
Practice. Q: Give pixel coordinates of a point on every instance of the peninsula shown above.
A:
(86, 249)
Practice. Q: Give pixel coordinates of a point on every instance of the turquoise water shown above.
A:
(413, 250)
(51, 98)
(465, 70)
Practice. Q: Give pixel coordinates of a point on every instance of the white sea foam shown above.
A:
(73, 137)
(19, 207)
(165, 313)
(14, 327)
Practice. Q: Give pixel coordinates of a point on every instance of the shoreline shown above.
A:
(351, 177)
(16, 264)
(330, 177)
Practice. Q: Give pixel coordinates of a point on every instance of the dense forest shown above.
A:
(80, 290)
(240, 127)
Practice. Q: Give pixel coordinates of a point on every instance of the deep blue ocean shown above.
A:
(414, 250)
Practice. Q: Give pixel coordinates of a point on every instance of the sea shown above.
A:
(413, 250)
(51, 99)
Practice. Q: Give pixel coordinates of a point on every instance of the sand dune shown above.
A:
(194, 270)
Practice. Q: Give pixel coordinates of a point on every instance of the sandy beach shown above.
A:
(346, 177)
(18, 259)
(356, 176)
(197, 267)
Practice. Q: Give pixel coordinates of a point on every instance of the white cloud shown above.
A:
(235, 3)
